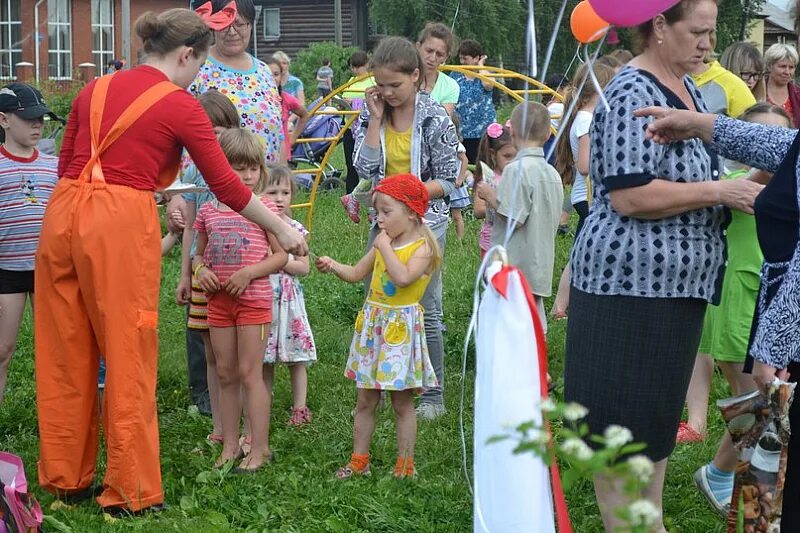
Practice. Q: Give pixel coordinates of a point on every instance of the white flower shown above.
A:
(642, 467)
(547, 405)
(617, 436)
(577, 448)
(644, 512)
(574, 411)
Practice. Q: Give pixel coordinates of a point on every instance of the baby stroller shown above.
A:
(52, 129)
(311, 154)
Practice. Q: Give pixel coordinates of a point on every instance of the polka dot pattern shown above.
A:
(675, 257)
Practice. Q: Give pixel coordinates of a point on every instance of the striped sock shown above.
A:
(721, 483)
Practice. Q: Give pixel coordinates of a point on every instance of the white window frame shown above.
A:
(102, 56)
(265, 14)
(10, 50)
(55, 10)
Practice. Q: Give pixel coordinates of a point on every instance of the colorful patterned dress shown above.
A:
(389, 351)
(290, 337)
(255, 96)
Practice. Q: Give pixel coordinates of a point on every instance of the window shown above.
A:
(102, 34)
(272, 23)
(59, 39)
(10, 38)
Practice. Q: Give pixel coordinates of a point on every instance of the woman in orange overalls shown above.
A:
(98, 264)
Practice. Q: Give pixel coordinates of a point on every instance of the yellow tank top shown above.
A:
(383, 291)
(398, 151)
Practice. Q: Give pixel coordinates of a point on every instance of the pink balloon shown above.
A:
(626, 13)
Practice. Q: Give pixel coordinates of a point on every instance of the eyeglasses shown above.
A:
(747, 76)
(238, 27)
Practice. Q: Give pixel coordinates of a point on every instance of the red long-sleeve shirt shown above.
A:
(153, 143)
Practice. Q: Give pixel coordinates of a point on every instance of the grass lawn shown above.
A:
(299, 492)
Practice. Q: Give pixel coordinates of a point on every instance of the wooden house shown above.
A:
(291, 25)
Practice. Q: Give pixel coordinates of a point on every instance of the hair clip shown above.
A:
(494, 130)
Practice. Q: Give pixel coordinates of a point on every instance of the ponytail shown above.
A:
(565, 163)
(430, 239)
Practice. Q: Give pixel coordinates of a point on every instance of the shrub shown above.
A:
(309, 59)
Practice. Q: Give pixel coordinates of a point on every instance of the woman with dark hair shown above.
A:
(434, 45)
(475, 106)
(98, 266)
(246, 80)
(651, 254)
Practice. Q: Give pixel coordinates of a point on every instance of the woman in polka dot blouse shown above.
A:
(652, 252)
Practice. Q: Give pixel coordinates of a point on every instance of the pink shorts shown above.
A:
(225, 311)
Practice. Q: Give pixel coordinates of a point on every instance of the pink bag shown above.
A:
(19, 513)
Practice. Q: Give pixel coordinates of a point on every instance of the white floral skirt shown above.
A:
(389, 351)
(290, 337)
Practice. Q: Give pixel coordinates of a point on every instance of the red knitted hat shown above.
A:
(408, 189)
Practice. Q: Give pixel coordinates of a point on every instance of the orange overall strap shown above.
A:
(132, 113)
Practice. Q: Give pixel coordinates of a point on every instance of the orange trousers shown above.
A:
(98, 270)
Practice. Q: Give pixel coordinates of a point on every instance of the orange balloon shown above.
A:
(586, 25)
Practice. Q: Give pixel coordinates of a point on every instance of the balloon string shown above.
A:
(552, 44)
(531, 43)
(568, 113)
(596, 83)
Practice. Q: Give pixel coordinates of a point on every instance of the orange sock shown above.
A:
(359, 462)
(404, 466)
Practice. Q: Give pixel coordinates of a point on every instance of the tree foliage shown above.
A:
(500, 25)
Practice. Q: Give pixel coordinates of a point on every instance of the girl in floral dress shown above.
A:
(389, 350)
(290, 339)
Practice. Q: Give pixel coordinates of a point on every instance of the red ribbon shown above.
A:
(500, 283)
(221, 19)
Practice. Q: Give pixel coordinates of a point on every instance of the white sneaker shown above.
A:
(430, 411)
(701, 480)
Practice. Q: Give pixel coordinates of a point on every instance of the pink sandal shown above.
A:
(688, 435)
(215, 438)
(300, 416)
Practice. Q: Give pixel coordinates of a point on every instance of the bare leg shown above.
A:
(611, 496)
(213, 384)
(699, 389)
(406, 422)
(252, 343)
(364, 424)
(224, 344)
(12, 307)
(459, 221)
(726, 458)
(654, 492)
(299, 378)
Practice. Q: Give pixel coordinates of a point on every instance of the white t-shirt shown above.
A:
(556, 109)
(580, 127)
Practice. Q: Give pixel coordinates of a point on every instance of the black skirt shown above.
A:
(629, 360)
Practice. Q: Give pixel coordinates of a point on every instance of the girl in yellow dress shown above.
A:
(389, 351)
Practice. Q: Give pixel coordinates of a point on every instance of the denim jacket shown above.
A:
(433, 154)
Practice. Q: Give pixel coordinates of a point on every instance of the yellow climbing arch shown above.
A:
(496, 76)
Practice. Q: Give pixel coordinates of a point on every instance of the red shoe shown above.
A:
(687, 434)
(352, 206)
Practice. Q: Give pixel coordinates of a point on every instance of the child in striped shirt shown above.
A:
(27, 179)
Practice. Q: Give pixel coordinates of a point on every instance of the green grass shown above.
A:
(299, 493)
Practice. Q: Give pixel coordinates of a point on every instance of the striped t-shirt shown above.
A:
(25, 188)
(234, 243)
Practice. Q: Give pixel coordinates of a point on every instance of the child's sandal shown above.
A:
(215, 438)
(348, 471)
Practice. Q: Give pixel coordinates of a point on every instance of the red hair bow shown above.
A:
(221, 19)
